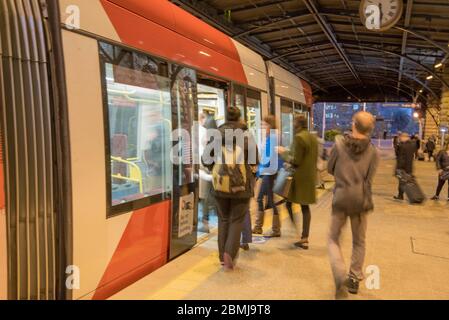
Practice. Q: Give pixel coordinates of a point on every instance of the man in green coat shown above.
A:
(303, 156)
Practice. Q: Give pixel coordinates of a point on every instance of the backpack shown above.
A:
(228, 175)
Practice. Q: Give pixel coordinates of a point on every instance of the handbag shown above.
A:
(284, 182)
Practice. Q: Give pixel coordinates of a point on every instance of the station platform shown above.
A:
(409, 244)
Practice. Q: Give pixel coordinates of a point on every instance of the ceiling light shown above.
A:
(421, 91)
(204, 53)
(429, 77)
(438, 65)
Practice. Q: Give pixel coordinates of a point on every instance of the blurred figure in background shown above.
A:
(205, 194)
(322, 161)
(303, 156)
(268, 168)
(417, 142)
(443, 171)
(430, 147)
(353, 163)
(404, 161)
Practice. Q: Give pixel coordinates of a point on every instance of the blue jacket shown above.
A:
(270, 161)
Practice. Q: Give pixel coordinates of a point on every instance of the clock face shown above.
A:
(385, 16)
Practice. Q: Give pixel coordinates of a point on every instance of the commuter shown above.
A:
(442, 161)
(268, 168)
(353, 162)
(303, 156)
(417, 142)
(322, 158)
(207, 122)
(404, 161)
(430, 147)
(396, 143)
(233, 171)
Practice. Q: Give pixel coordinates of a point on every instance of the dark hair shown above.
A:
(300, 123)
(234, 114)
(271, 120)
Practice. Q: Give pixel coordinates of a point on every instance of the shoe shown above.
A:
(228, 264)
(276, 228)
(259, 222)
(398, 197)
(435, 198)
(244, 246)
(303, 244)
(352, 285)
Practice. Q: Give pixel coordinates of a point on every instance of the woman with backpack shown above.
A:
(233, 168)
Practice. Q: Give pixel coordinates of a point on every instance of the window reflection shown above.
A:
(139, 112)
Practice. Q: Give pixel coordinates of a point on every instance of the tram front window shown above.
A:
(139, 113)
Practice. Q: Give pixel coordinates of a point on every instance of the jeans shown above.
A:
(231, 217)
(247, 233)
(306, 218)
(266, 189)
(358, 227)
(440, 187)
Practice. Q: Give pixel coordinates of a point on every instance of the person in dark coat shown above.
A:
(430, 147)
(303, 155)
(404, 161)
(417, 142)
(442, 161)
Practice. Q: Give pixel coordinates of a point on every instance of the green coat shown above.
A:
(303, 155)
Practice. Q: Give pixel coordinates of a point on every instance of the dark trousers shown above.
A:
(247, 232)
(440, 187)
(431, 155)
(306, 218)
(266, 189)
(231, 217)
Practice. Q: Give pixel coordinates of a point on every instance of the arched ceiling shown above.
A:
(325, 43)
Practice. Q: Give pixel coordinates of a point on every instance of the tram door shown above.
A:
(212, 102)
(185, 171)
(250, 104)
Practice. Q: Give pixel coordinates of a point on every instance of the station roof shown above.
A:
(325, 43)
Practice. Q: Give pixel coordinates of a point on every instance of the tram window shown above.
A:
(138, 100)
(286, 123)
(239, 98)
(253, 111)
(184, 92)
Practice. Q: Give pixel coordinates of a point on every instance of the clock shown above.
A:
(380, 15)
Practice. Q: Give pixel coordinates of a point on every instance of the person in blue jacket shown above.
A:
(268, 168)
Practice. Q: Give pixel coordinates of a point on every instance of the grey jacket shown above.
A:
(353, 163)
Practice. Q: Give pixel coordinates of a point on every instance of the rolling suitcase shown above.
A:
(412, 189)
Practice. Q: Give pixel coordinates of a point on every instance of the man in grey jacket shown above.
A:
(353, 163)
